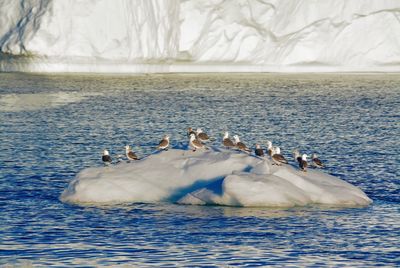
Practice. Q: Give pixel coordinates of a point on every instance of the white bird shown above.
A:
(297, 156)
(303, 164)
(202, 136)
(190, 131)
(106, 158)
(227, 142)
(316, 161)
(240, 145)
(130, 154)
(269, 148)
(164, 143)
(195, 143)
(277, 157)
(259, 151)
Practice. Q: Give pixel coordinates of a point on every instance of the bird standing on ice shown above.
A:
(269, 148)
(190, 131)
(303, 164)
(297, 156)
(227, 142)
(277, 157)
(259, 151)
(195, 143)
(106, 158)
(240, 145)
(202, 136)
(316, 161)
(130, 154)
(164, 143)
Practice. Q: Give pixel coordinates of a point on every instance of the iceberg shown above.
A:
(210, 177)
(143, 36)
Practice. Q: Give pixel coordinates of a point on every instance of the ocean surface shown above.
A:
(53, 126)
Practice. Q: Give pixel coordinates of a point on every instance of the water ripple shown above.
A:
(51, 127)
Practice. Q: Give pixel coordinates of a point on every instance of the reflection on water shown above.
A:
(53, 126)
(26, 102)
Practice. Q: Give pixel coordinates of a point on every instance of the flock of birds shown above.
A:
(198, 140)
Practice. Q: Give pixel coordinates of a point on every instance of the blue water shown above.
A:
(53, 126)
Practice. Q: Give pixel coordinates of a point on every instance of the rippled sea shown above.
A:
(53, 126)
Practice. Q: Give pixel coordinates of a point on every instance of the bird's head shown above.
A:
(226, 135)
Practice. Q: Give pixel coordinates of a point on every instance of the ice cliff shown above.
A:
(190, 35)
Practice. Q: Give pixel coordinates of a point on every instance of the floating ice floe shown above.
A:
(211, 177)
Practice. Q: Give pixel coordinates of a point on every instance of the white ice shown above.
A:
(199, 36)
(212, 177)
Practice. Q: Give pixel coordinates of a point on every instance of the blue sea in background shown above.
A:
(53, 126)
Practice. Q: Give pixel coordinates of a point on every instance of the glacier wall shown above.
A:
(190, 35)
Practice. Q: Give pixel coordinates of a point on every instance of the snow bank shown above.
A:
(213, 177)
(199, 36)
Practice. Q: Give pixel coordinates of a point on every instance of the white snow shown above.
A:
(199, 36)
(210, 177)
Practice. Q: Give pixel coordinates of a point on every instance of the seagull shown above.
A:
(240, 145)
(303, 164)
(259, 151)
(164, 143)
(269, 148)
(195, 143)
(227, 142)
(277, 157)
(316, 161)
(106, 158)
(297, 156)
(203, 137)
(130, 154)
(190, 131)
